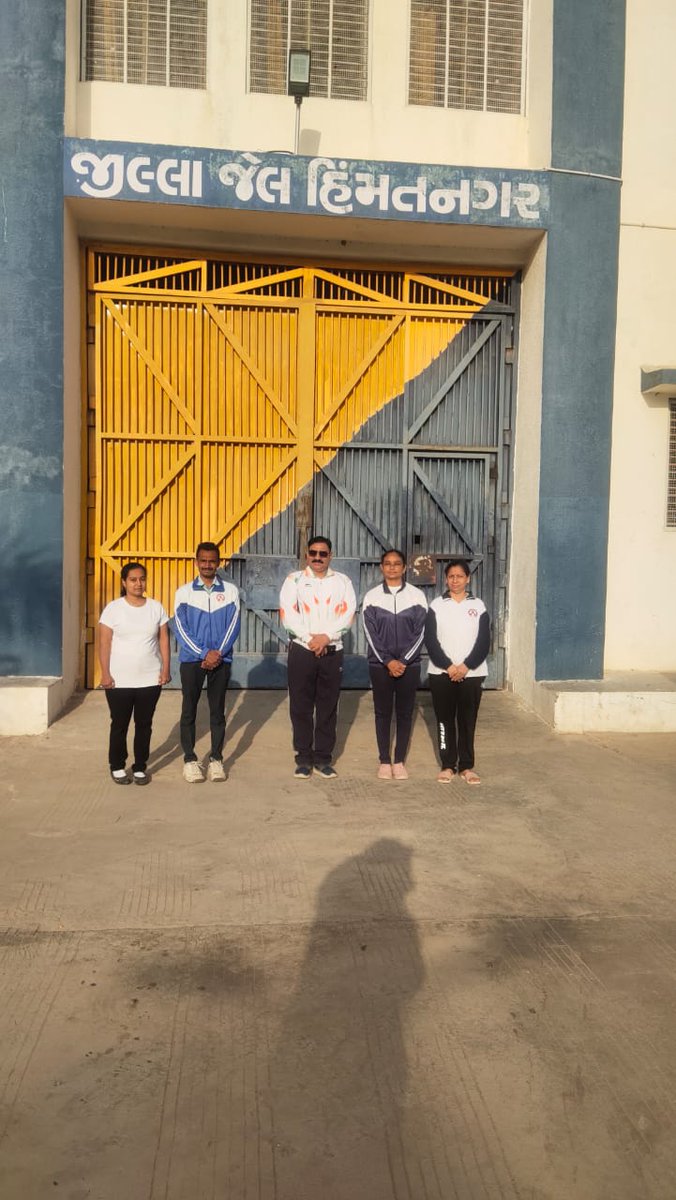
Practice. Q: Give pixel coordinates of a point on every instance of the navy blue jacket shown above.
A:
(394, 623)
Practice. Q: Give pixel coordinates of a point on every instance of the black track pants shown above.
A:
(314, 690)
(123, 704)
(398, 695)
(192, 682)
(456, 707)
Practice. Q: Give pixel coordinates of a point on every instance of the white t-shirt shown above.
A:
(135, 659)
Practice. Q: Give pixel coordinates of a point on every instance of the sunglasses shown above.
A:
(318, 553)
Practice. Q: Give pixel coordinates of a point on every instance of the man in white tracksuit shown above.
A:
(317, 606)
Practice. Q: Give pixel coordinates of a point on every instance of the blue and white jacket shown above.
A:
(206, 620)
(394, 623)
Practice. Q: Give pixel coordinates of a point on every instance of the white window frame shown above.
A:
(525, 28)
(368, 64)
(84, 5)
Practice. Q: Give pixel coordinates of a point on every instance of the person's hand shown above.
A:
(396, 668)
(211, 659)
(318, 643)
(165, 677)
(456, 672)
(107, 682)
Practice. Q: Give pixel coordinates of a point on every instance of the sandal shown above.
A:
(470, 777)
(446, 776)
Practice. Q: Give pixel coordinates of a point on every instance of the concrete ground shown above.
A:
(274, 990)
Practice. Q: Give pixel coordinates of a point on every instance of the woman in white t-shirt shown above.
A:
(458, 637)
(134, 657)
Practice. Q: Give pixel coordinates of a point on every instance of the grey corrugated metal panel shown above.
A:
(277, 536)
(372, 480)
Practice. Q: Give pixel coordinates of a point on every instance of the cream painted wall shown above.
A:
(640, 624)
(384, 127)
(524, 528)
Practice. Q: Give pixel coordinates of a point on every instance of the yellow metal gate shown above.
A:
(217, 389)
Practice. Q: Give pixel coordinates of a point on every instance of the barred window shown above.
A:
(161, 42)
(335, 32)
(671, 481)
(467, 54)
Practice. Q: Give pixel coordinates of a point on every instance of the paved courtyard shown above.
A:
(357, 990)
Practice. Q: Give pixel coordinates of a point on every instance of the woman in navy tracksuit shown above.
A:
(394, 622)
(457, 636)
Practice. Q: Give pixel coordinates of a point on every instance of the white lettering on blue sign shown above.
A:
(270, 184)
(331, 188)
(106, 176)
(338, 187)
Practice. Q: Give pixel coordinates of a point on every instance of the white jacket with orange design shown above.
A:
(310, 605)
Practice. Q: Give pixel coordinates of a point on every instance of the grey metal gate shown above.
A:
(430, 473)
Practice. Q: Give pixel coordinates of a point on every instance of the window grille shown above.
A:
(335, 32)
(160, 42)
(467, 54)
(671, 481)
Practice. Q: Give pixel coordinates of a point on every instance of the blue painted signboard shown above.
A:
(278, 182)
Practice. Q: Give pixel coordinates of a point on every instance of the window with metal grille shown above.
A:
(671, 481)
(162, 42)
(335, 32)
(467, 54)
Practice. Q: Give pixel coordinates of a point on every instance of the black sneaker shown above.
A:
(140, 778)
(120, 777)
(326, 772)
(302, 772)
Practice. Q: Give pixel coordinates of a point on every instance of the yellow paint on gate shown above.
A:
(217, 397)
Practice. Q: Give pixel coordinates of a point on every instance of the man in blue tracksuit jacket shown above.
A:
(206, 624)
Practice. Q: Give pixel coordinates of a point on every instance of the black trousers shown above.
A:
(192, 682)
(393, 694)
(123, 703)
(456, 707)
(314, 690)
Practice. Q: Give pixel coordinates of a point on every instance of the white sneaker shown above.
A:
(192, 772)
(215, 772)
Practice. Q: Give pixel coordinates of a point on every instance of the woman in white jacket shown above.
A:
(457, 636)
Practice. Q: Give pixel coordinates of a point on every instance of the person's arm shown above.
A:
(479, 650)
(418, 616)
(370, 622)
(343, 613)
(105, 645)
(183, 613)
(232, 631)
(289, 608)
(438, 656)
(165, 654)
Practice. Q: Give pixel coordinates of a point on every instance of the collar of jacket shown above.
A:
(217, 585)
(387, 588)
(309, 573)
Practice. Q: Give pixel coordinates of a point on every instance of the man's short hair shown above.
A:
(318, 537)
(210, 546)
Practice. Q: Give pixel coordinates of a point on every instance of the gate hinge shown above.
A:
(89, 636)
(509, 355)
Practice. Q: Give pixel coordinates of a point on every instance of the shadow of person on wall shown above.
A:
(339, 1071)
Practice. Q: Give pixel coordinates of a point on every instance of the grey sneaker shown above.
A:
(326, 772)
(215, 771)
(192, 772)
